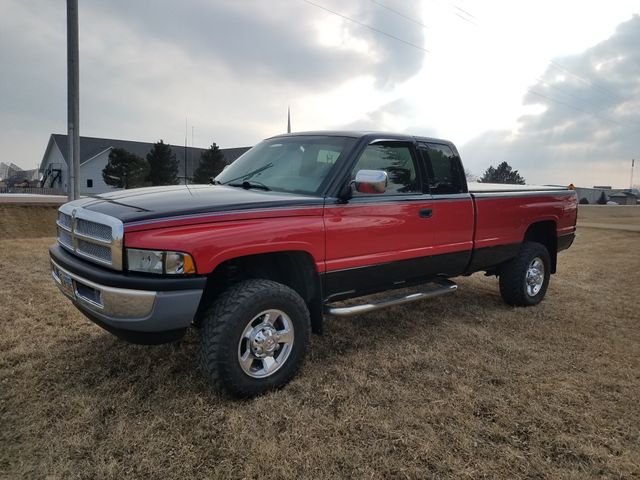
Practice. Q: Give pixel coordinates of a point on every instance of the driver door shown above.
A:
(379, 240)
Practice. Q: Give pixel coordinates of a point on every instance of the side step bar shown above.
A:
(441, 287)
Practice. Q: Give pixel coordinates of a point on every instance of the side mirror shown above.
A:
(371, 181)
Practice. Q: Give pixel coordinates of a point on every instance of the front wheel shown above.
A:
(254, 337)
(524, 279)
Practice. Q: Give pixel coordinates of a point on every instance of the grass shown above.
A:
(608, 214)
(456, 387)
(27, 221)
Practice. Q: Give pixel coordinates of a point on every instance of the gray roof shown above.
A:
(92, 146)
(624, 193)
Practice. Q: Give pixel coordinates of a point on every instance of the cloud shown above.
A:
(231, 67)
(276, 41)
(589, 129)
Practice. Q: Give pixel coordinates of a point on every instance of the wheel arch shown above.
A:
(545, 232)
(293, 268)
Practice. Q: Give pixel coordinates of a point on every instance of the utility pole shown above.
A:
(73, 100)
(288, 120)
(633, 163)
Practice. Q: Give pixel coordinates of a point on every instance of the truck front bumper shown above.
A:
(137, 308)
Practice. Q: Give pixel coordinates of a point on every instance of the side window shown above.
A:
(396, 161)
(89, 183)
(443, 170)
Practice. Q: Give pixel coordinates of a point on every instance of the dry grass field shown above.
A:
(27, 221)
(606, 214)
(457, 387)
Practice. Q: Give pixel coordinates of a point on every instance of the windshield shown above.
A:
(296, 164)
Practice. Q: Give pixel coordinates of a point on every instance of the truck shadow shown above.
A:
(101, 364)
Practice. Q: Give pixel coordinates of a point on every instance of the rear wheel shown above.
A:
(254, 337)
(524, 279)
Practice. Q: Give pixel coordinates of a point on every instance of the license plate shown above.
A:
(66, 282)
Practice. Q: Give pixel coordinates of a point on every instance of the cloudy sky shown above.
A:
(551, 87)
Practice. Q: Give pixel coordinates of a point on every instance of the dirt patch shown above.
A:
(461, 386)
(27, 221)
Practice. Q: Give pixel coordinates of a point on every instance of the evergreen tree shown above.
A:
(212, 162)
(503, 173)
(163, 166)
(125, 170)
(602, 200)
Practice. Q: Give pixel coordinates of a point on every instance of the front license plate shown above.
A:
(66, 283)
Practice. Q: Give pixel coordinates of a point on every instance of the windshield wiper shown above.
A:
(247, 184)
(247, 176)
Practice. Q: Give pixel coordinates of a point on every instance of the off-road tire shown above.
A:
(224, 323)
(513, 276)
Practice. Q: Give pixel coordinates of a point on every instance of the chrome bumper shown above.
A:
(109, 301)
(128, 309)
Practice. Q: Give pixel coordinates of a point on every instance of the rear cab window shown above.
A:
(444, 172)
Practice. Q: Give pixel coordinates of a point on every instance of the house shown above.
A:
(624, 197)
(12, 174)
(94, 155)
(620, 196)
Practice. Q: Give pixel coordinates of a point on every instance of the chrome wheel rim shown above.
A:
(535, 277)
(266, 343)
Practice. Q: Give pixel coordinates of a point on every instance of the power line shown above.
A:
(550, 62)
(573, 107)
(467, 18)
(560, 102)
(572, 95)
(588, 82)
(599, 108)
(400, 14)
(560, 67)
(381, 32)
(465, 12)
(563, 69)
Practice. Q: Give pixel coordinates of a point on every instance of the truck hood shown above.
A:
(163, 202)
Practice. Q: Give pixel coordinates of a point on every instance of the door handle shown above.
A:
(426, 212)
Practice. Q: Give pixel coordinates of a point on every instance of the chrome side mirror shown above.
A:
(371, 181)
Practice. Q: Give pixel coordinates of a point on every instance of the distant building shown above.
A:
(618, 195)
(12, 174)
(94, 155)
(7, 170)
(625, 197)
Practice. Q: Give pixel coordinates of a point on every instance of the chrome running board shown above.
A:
(441, 287)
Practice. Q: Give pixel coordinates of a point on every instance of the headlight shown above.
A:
(159, 261)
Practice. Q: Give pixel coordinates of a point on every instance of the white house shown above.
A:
(94, 155)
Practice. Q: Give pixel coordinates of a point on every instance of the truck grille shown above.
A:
(93, 229)
(91, 235)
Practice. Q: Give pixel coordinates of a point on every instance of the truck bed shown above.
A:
(477, 187)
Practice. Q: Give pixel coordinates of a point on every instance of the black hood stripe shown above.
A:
(228, 211)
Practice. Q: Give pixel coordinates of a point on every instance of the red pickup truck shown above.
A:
(295, 225)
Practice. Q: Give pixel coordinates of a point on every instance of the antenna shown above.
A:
(185, 150)
(191, 153)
